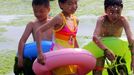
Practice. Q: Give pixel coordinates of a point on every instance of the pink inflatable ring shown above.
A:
(68, 56)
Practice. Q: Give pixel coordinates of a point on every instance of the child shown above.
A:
(111, 25)
(41, 10)
(65, 29)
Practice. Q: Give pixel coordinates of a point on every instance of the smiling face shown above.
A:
(41, 12)
(69, 6)
(113, 12)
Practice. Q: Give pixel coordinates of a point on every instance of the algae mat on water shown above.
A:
(6, 61)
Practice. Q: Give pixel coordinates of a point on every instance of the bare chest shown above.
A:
(108, 29)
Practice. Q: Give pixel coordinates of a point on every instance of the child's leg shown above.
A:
(99, 66)
(28, 67)
(65, 70)
(120, 65)
(17, 70)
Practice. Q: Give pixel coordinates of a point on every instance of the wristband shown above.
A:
(132, 53)
(105, 51)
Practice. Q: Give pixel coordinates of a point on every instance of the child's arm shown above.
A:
(96, 34)
(97, 39)
(130, 39)
(76, 42)
(55, 22)
(128, 30)
(22, 41)
(77, 20)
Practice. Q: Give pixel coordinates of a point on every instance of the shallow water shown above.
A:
(9, 18)
(12, 37)
(13, 33)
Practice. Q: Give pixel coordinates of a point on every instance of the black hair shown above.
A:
(41, 2)
(62, 1)
(108, 3)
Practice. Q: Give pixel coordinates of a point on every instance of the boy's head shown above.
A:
(68, 6)
(41, 9)
(113, 9)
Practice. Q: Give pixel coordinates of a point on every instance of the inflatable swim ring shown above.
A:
(30, 49)
(68, 56)
(117, 45)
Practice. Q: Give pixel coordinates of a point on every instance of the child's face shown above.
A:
(69, 6)
(113, 12)
(41, 12)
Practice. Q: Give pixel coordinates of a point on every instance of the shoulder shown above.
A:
(124, 21)
(58, 19)
(123, 18)
(101, 18)
(31, 24)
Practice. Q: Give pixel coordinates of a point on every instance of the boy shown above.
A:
(41, 9)
(111, 25)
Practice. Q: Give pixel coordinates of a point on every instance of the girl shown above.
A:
(65, 29)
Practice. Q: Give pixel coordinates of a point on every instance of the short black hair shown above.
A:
(41, 2)
(108, 3)
(62, 1)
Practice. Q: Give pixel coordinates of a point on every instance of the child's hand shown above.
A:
(109, 55)
(20, 62)
(41, 59)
